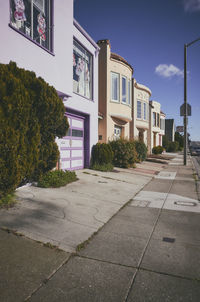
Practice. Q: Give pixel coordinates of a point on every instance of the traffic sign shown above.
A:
(182, 110)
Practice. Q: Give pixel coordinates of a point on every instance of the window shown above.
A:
(139, 109)
(33, 18)
(124, 89)
(82, 71)
(158, 120)
(145, 111)
(129, 92)
(154, 119)
(115, 86)
(162, 124)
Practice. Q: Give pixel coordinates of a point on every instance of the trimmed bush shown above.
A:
(173, 147)
(101, 157)
(31, 117)
(141, 150)
(157, 150)
(125, 154)
(57, 178)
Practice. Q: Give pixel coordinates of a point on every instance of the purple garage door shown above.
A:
(72, 145)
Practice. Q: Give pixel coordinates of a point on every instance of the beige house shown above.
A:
(141, 97)
(115, 94)
(162, 127)
(154, 124)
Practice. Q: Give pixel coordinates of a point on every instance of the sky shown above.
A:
(150, 35)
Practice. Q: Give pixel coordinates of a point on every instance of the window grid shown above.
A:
(33, 19)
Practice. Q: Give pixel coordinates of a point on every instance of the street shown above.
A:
(149, 250)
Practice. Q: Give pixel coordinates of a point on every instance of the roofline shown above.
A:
(117, 57)
(85, 34)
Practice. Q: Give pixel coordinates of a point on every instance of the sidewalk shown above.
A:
(147, 247)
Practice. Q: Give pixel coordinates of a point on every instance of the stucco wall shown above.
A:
(56, 70)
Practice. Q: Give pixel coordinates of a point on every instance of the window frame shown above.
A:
(154, 119)
(124, 96)
(129, 92)
(50, 48)
(118, 87)
(91, 71)
(139, 102)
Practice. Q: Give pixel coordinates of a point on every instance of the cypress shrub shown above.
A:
(173, 147)
(101, 154)
(157, 150)
(31, 116)
(141, 150)
(125, 154)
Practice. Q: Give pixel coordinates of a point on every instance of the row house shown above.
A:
(115, 94)
(42, 36)
(125, 109)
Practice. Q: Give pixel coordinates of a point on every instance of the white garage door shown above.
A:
(72, 145)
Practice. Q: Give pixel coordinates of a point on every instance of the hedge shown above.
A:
(31, 117)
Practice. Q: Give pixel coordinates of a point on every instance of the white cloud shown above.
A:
(191, 5)
(168, 71)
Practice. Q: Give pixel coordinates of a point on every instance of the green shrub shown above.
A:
(141, 150)
(56, 178)
(173, 147)
(31, 117)
(125, 154)
(101, 154)
(157, 150)
(165, 142)
(7, 201)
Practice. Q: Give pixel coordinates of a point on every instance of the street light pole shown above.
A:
(185, 104)
(185, 99)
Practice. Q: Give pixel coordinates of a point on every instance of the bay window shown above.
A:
(33, 18)
(139, 109)
(129, 92)
(82, 71)
(114, 86)
(124, 89)
(145, 111)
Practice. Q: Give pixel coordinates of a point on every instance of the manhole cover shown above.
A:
(185, 203)
(168, 239)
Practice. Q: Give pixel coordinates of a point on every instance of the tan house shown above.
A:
(115, 94)
(154, 124)
(141, 95)
(162, 127)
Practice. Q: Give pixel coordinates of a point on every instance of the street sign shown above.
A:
(182, 110)
(179, 129)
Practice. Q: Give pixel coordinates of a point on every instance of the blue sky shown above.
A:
(150, 35)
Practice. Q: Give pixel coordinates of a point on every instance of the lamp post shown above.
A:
(185, 98)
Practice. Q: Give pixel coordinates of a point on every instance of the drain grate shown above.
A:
(168, 239)
(185, 203)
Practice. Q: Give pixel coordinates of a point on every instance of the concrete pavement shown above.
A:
(147, 247)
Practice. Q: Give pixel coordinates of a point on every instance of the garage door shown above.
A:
(72, 145)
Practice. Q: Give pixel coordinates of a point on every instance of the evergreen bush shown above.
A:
(141, 150)
(157, 150)
(101, 157)
(31, 116)
(125, 154)
(173, 147)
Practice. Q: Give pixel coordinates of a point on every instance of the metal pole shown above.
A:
(185, 104)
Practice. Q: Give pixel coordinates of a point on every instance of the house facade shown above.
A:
(42, 36)
(115, 94)
(162, 127)
(154, 122)
(141, 95)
